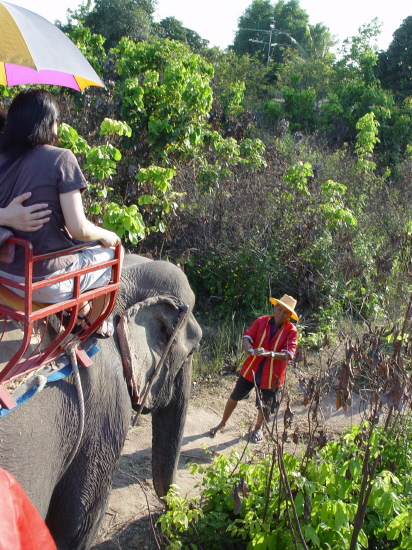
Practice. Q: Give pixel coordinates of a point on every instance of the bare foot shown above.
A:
(219, 427)
(106, 329)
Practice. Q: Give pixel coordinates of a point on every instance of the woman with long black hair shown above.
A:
(29, 162)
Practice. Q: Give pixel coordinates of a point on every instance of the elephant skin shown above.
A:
(36, 439)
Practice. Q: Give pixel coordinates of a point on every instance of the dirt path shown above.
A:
(126, 524)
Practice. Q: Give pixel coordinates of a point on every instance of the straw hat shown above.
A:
(288, 302)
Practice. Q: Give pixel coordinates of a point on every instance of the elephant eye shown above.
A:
(164, 331)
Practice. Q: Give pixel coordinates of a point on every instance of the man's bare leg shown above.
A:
(231, 405)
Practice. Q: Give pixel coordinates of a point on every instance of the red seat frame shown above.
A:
(17, 364)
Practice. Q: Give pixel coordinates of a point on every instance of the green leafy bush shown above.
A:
(240, 508)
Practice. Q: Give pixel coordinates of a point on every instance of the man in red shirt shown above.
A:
(271, 342)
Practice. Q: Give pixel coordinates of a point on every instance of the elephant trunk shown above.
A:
(167, 428)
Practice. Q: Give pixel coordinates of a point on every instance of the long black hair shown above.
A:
(30, 122)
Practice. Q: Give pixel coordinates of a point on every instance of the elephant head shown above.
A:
(149, 319)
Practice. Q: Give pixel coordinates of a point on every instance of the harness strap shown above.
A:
(127, 358)
(24, 393)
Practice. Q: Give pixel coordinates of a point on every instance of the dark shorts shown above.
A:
(243, 388)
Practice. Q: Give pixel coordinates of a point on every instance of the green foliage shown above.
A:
(307, 74)
(335, 212)
(101, 160)
(226, 153)
(91, 46)
(256, 16)
(325, 489)
(296, 177)
(182, 515)
(170, 102)
(251, 153)
(171, 94)
(117, 18)
(299, 107)
(70, 139)
(101, 163)
(272, 110)
(127, 222)
(237, 281)
(160, 177)
(115, 127)
(229, 68)
(357, 53)
(162, 200)
(231, 99)
(366, 140)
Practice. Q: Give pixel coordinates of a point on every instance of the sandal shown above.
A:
(257, 436)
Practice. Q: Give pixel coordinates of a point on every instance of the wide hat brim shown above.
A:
(293, 314)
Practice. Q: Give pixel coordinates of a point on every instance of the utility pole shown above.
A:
(273, 31)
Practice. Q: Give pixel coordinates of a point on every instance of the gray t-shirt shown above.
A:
(47, 172)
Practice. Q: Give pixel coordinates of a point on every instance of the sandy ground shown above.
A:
(127, 520)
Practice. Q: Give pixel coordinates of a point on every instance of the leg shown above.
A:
(257, 433)
(269, 402)
(259, 420)
(231, 405)
(241, 390)
(99, 305)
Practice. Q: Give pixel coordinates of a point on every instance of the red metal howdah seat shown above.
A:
(36, 319)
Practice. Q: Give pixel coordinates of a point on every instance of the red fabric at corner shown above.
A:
(21, 526)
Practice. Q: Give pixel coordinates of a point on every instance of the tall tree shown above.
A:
(172, 28)
(117, 18)
(394, 65)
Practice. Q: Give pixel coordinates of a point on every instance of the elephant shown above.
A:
(37, 439)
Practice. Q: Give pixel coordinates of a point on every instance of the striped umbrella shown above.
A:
(34, 51)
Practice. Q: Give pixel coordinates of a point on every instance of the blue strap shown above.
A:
(54, 377)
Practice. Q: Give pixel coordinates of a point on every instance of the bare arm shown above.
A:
(79, 226)
(24, 218)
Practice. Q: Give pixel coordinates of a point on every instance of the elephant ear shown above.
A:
(143, 333)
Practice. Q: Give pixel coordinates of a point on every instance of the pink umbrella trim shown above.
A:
(17, 74)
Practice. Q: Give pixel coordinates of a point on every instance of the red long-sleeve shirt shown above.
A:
(284, 340)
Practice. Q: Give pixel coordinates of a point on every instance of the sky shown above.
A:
(217, 20)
